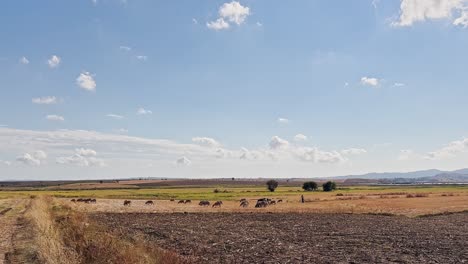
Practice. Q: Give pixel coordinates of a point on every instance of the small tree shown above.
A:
(272, 185)
(310, 186)
(329, 186)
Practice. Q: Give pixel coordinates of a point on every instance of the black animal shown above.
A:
(244, 204)
(127, 203)
(217, 204)
(188, 201)
(181, 202)
(261, 204)
(73, 200)
(279, 201)
(149, 203)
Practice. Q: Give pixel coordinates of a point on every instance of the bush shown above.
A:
(310, 186)
(272, 185)
(329, 186)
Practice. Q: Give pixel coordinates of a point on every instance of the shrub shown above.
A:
(329, 186)
(272, 185)
(216, 191)
(310, 186)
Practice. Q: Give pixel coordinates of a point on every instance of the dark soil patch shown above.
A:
(300, 237)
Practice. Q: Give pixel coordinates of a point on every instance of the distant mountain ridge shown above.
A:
(430, 176)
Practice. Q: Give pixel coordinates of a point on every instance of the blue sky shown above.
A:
(112, 88)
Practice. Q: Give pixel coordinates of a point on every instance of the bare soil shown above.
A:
(299, 237)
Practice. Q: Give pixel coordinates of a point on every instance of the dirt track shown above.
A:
(300, 238)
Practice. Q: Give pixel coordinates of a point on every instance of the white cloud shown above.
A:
(34, 159)
(85, 152)
(125, 48)
(370, 81)
(282, 120)
(183, 161)
(318, 156)
(278, 143)
(232, 12)
(353, 151)
(121, 131)
(142, 57)
(24, 60)
(45, 100)
(375, 3)
(6, 163)
(206, 141)
(449, 151)
(194, 21)
(300, 137)
(412, 11)
(54, 61)
(114, 116)
(55, 118)
(142, 111)
(259, 24)
(398, 84)
(219, 24)
(86, 81)
(405, 154)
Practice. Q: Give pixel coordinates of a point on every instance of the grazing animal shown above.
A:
(79, 200)
(217, 204)
(261, 204)
(280, 201)
(149, 203)
(244, 204)
(92, 200)
(243, 200)
(188, 201)
(181, 201)
(272, 203)
(172, 200)
(204, 203)
(127, 203)
(73, 200)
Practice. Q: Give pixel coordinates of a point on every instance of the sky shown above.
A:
(251, 88)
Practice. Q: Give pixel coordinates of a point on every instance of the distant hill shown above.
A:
(424, 176)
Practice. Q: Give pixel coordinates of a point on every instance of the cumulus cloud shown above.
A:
(353, 151)
(114, 116)
(318, 156)
(183, 161)
(232, 12)
(54, 61)
(33, 159)
(86, 81)
(55, 118)
(449, 151)
(218, 24)
(206, 141)
(398, 84)
(278, 143)
(24, 60)
(282, 120)
(370, 81)
(142, 111)
(83, 158)
(6, 163)
(412, 11)
(45, 100)
(300, 137)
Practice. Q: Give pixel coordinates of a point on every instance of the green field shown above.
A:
(227, 192)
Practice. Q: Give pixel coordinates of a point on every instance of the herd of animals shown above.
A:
(261, 203)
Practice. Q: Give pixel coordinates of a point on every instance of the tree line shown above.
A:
(307, 186)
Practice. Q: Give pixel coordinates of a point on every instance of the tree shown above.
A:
(329, 186)
(310, 186)
(272, 185)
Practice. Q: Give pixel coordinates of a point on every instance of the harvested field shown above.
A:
(299, 237)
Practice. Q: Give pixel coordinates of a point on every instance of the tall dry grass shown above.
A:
(50, 247)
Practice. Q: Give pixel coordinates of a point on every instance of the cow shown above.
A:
(204, 203)
(172, 200)
(217, 204)
(279, 201)
(243, 200)
(127, 203)
(73, 200)
(79, 200)
(272, 202)
(149, 203)
(92, 200)
(261, 204)
(188, 201)
(181, 202)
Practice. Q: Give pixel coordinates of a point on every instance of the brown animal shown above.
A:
(244, 204)
(127, 203)
(204, 203)
(149, 203)
(280, 201)
(243, 200)
(181, 201)
(217, 204)
(272, 202)
(188, 201)
(92, 200)
(73, 200)
(261, 204)
(172, 200)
